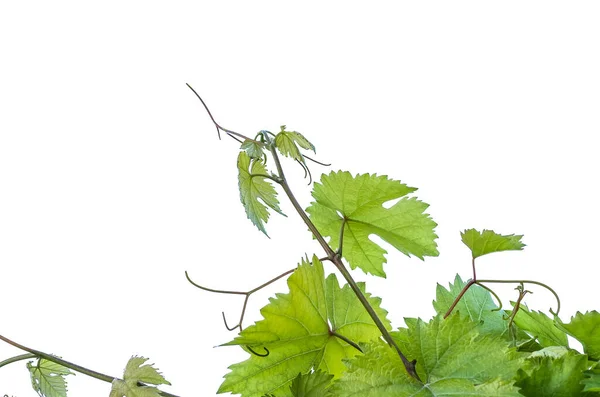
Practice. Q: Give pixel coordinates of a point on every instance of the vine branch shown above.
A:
(17, 358)
(331, 255)
(36, 353)
(336, 259)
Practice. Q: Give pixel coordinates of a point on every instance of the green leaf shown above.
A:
(48, 378)
(356, 204)
(135, 373)
(586, 329)
(497, 388)
(313, 384)
(379, 372)
(592, 380)
(253, 148)
(452, 360)
(287, 143)
(488, 241)
(454, 348)
(555, 377)
(540, 326)
(298, 331)
(477, 303)
(254, 188)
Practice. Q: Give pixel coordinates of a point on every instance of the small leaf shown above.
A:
(253, 148)
(488, 241)
(48, 378)
(287, 143)
(314, 384)
(254, 188)
(356, 205)
(135, 373)
(586, 329)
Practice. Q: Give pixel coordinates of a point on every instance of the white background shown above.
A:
(113, 181)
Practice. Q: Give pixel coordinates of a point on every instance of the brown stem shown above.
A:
(246, 293)
(457, 299)
(348, 341)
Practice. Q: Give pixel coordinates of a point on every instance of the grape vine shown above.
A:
(326, 338)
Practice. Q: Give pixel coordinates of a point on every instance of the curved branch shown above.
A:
(529, 282)
(246, 293)
(267, 352)
(232, 134)
(315, 161)
(491, 291)
(17, 358)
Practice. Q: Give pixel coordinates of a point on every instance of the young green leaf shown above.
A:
(48, 378)
(253, 148)
(553, 377)
(476, 303)
(353, 206)
(136, 379)
(313, 384)
(253, 188)
(299, 332)
(488, 241)
(586, 329)
(287, 143)
(541, 327)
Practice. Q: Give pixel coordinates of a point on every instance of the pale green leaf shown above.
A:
(146, 373)
(298, 332)
(48, 378)
(553, 377)
(356, 204)
(540, 326)
(253, 148)
(136, 379)
(488, 241)
(256, 192)
(586, 329)
(313, 384)
(287, 143)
